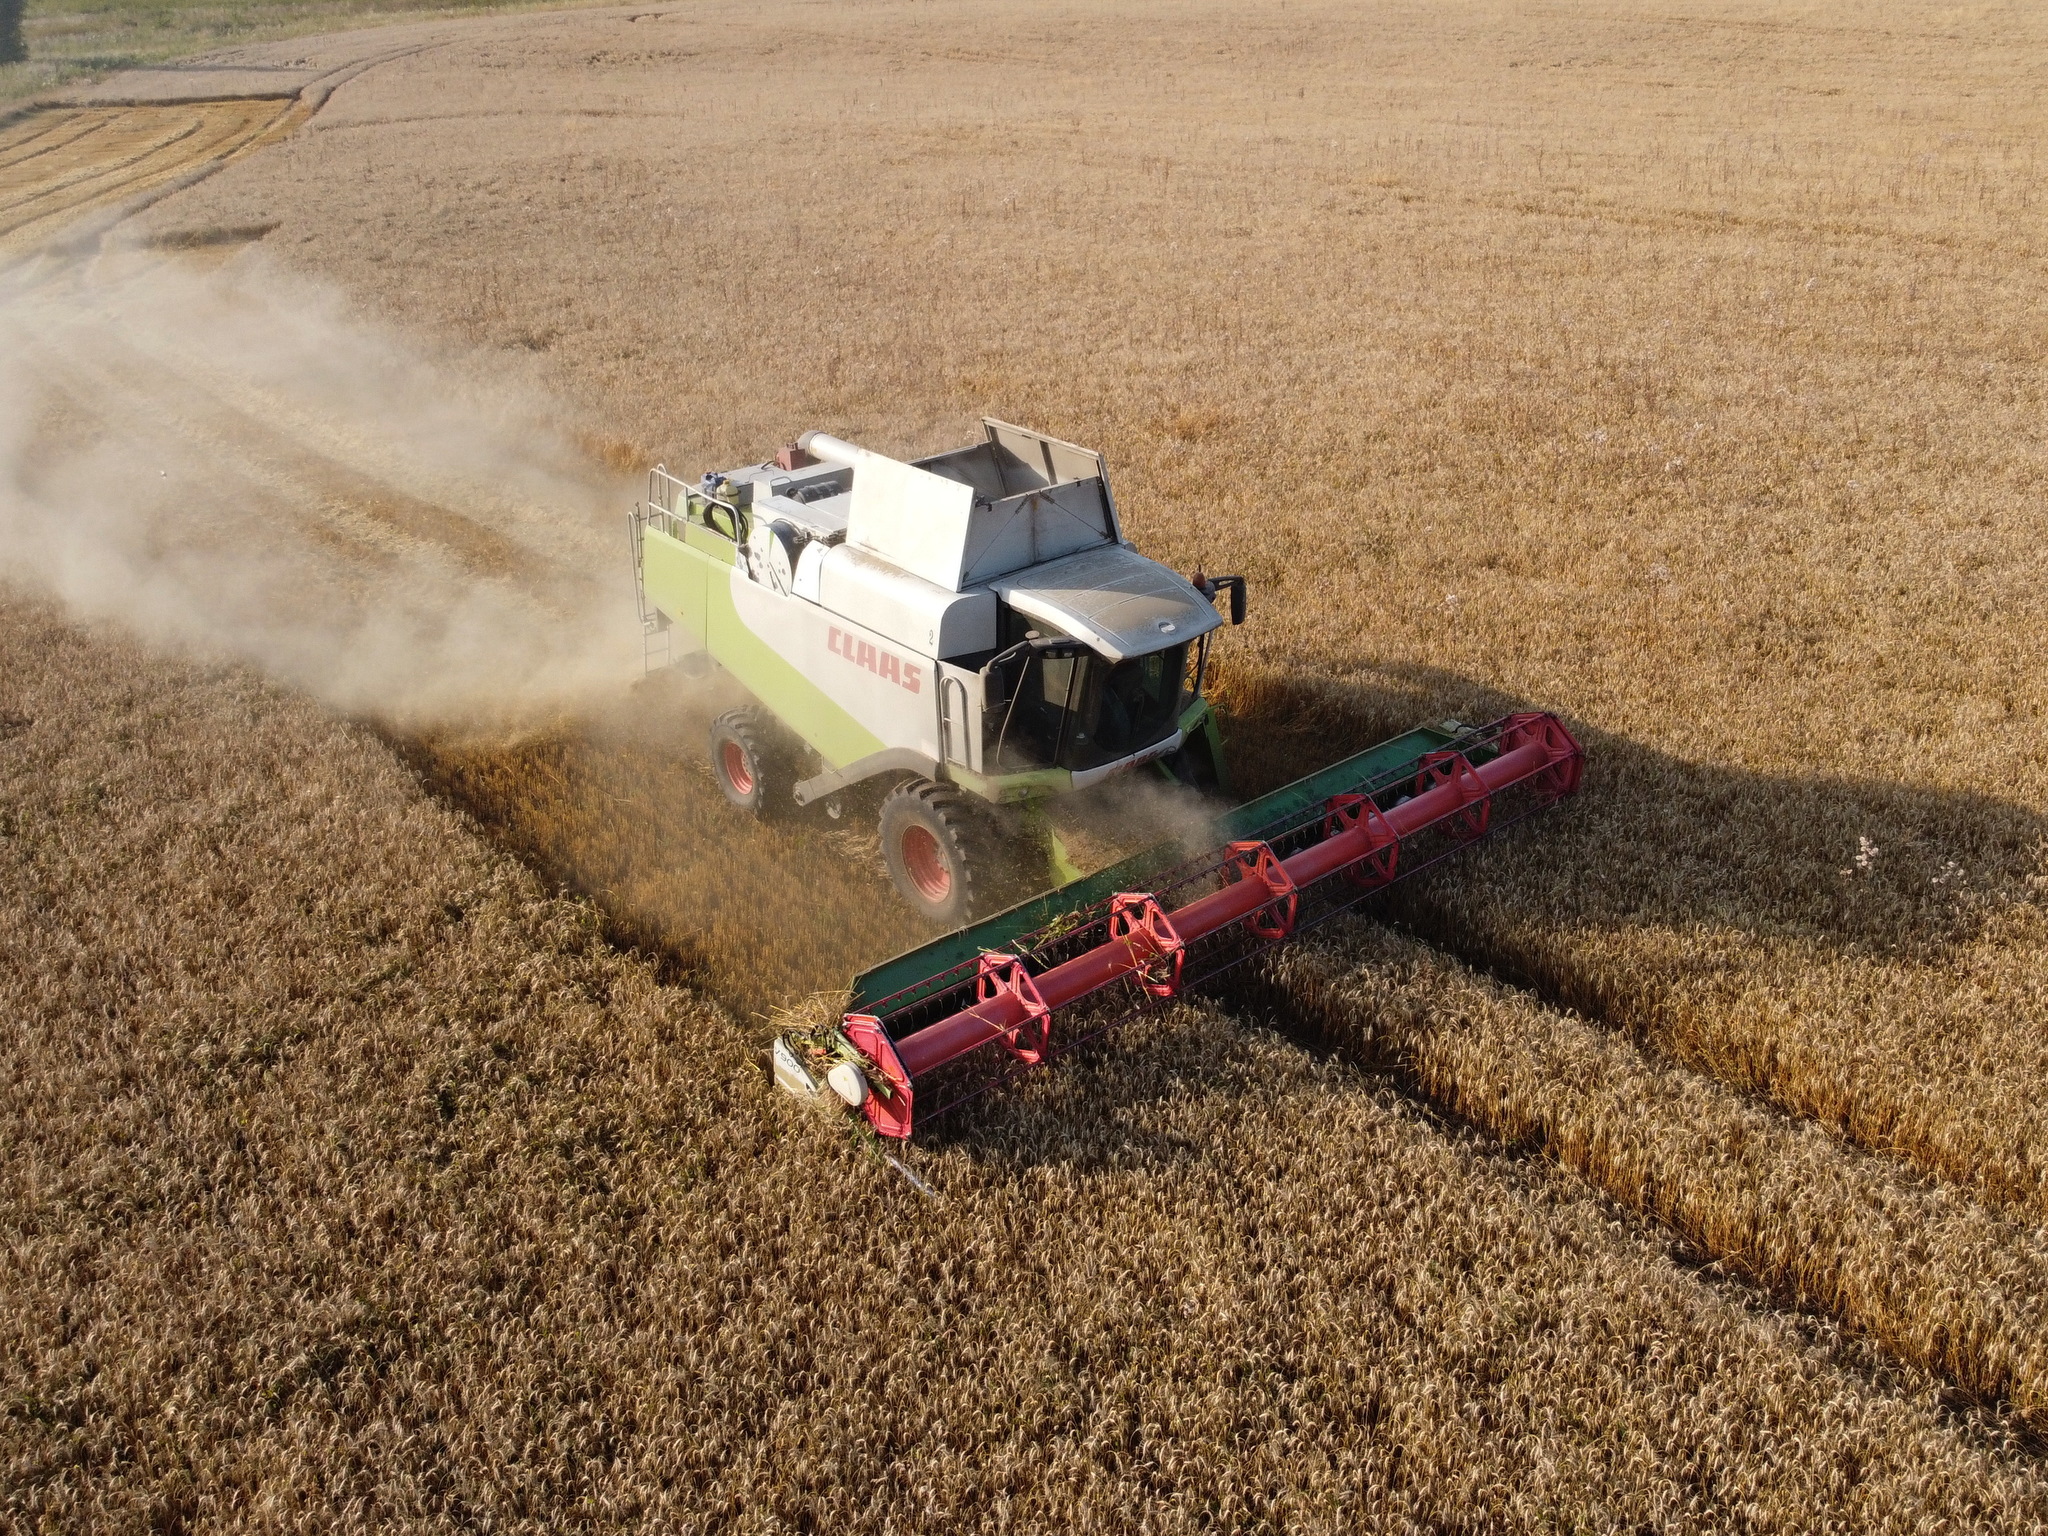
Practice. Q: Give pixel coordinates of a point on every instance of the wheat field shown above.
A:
(387, 1141)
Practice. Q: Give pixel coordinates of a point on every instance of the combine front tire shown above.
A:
(750, 772)
(939, 851)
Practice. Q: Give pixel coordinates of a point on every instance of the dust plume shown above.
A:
(229, 464)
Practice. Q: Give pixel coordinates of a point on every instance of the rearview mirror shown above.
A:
(1234, 585)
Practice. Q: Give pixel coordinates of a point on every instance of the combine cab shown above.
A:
(970, 636)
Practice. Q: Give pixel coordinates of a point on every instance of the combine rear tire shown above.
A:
(940, 851)
(753, 775)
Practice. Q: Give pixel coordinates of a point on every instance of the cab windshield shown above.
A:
(1079, 712)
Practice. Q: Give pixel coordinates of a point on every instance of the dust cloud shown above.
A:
(230, 465)
(1135, 811)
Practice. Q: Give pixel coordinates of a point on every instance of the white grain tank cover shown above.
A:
(915, 520)
(1113, 598)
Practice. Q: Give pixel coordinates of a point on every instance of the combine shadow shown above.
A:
(1652, 843)
(1655, 841)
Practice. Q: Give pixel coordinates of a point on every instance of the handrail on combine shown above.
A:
(666, 509)
(1319, 857)
(670, 497)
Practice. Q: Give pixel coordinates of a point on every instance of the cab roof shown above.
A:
(1112, 598)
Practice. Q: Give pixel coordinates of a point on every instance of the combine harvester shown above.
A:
(972, 634)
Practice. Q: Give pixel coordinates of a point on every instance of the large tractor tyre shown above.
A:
(751, 772)
(940, 850)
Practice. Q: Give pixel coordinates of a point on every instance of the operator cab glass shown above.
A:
(1081, 711)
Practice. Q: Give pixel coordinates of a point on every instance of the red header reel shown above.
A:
(1252, 894)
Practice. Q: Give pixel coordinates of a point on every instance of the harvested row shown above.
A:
(59, 163)
(621, 806)
(1922, 1269)
(1890, 990)
(399, 1192)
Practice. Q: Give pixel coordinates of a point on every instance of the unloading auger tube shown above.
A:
(1315, 860)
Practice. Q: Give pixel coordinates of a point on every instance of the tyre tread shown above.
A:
(753, 730)
(965, 828)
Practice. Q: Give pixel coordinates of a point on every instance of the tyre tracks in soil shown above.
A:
(60, 164)
(87, 164)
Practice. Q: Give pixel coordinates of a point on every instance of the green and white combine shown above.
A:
(970, 636)
(966, 636)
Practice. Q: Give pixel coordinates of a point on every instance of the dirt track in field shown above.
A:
(58, 164)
